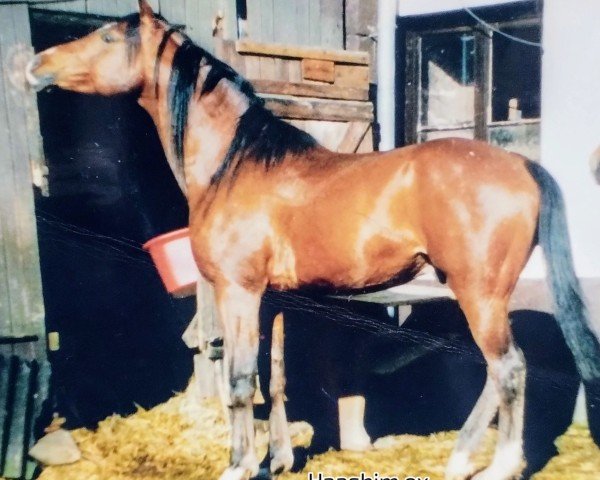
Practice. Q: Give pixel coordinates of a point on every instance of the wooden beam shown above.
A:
(293, 51)
(318, 70)
(310, 90)
(289, 107)
(353, 137)
(356, 76)
(483, 83)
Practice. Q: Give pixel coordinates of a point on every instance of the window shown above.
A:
(475, 77)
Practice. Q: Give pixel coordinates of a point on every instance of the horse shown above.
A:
(271, 208)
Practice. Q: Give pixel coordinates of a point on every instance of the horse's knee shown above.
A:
(242, 389)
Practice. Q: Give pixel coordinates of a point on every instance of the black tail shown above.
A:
(569, 306)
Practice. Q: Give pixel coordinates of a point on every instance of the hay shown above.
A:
(182, 440)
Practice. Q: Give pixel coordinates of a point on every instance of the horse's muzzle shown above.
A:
(36, 81)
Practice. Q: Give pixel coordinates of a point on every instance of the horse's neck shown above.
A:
(160, 117)
(211, 125)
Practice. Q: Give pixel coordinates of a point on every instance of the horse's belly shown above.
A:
(358, 264)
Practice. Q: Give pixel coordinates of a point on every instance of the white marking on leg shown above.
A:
(459, 466)
(353, 435)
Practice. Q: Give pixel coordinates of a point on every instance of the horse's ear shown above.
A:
(145, 10)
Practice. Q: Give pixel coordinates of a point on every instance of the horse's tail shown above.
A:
(569, 305)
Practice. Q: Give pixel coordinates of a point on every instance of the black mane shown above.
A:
(263, 138)
(260, 136)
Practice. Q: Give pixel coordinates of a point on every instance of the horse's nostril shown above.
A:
(34, 80)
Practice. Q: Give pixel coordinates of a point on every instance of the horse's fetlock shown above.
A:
(242, 389)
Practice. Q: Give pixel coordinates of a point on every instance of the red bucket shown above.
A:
(172, 255)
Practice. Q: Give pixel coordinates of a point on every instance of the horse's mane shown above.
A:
(260, 136)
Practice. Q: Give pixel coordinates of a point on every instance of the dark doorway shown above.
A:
(110, 191)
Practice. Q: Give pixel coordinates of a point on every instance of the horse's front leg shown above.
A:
(280, 446)
(238, 313)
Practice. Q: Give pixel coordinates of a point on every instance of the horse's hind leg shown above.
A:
(238, 313)
(505, 387)
(460, 466)
(280, 446)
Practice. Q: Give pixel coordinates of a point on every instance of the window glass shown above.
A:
(516, 74)
(447, 79)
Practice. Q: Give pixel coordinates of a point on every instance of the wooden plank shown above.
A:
(225, 50)
(15, 452)
(101, 7)
(17, 211)
(293, 51)
(332, 28)
(198, 21)
(314, 22)
(328, 133)
(352, 76)
(282, 72)
(266, 22)
(483, 83)
(254, 19)
(267, 68)
(252, 66)
(229, 10)
(78, 6)
(31, 290)
(311, 90)
(174, 10)
(366, 146)
(284, 23)
(403, 295)
(353, 137)
(318, 70)
(294, 70)
(412, 92)
(5, 316)
(318, 109)
(302, 22)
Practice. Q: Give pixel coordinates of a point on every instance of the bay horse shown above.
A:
(270, 207)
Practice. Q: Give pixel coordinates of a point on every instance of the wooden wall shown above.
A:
(197, 15)
(21, 305)
(299, 22)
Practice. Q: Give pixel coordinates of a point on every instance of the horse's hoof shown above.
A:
(360, 442)
(459, 467)
(282, 462)
(236, 473)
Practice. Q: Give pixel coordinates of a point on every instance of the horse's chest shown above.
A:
(231, 247)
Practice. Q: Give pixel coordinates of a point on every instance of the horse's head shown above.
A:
(108, 61)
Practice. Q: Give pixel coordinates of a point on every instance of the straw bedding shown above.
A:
(183, 440)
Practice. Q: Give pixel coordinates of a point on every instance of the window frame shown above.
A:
(411, 31)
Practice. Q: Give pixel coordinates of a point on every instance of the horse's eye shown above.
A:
(108, 38)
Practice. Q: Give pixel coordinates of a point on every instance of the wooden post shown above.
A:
(21, 304)
(207, 367)
(483, 83)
